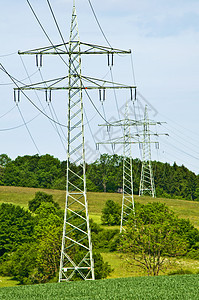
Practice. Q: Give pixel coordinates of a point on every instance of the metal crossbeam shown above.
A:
(86, 48)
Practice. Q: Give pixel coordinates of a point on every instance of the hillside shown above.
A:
(119, 264)
(163, 287)
(103, 175)
(96, 201)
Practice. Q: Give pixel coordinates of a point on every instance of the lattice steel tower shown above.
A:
(127, 192)
(127, 180)
(76, 253)
(76, 232)
(147, 186)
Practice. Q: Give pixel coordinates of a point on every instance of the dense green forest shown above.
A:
(103, 175)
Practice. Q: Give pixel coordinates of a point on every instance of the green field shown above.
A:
(184, 287)
(96, 201)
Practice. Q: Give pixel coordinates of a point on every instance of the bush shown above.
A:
(111, 213)
(41, 197)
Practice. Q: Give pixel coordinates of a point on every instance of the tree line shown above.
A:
(103, 175)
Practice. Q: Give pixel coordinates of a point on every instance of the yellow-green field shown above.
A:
(7, 281)
(96, 201)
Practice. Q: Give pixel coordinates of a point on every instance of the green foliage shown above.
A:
(102, 239)
(16, 227)
(193, 254)
(105, 174)
(40, 197)
(48, 255)
(4, 160)
(111, 213)
(21, 263)
(102, 269)
(32, 171)
(38, 261)
(153, 234)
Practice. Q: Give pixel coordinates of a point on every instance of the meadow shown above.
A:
(96, 201)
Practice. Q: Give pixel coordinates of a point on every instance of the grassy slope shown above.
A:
(96, 201)
(184, 287)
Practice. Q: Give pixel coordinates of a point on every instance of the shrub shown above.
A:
(111, 213)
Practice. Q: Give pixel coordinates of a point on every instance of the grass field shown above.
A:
(96, 201)
(7, 281)
(184, 287)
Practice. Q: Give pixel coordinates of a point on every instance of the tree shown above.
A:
(4, 160)
(152, 236)
(106, 173)
(48, 255)
(40, 197)
(21, 263)
(16, 227)
(38, 261)
(102, 269)
(111, 213)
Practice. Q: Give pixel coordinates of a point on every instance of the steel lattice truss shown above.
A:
(127, 193)
(126, 140)
(147, 186)
(76, 253)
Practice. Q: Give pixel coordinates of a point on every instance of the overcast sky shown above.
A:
(164, 39)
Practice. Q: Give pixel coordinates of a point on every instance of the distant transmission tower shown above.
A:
(127, 189)
(126, 140)
(76, 252)
(147, 186)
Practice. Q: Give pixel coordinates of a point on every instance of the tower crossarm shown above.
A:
(88, 83)
(86, 48)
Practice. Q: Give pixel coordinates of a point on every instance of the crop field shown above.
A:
(184, 287)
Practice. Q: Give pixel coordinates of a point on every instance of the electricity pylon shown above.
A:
(147, 186)
(127, 189)
(76, 253)
(127, 180)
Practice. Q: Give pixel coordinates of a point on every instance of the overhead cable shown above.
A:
(100, 27)
(28, 129)
(14, 81)
(62, 57)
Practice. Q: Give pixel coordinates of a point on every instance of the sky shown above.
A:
(164, 39)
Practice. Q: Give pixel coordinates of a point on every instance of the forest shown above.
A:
(103, 175)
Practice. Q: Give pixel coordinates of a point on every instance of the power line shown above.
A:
(20, 79)
(60, 54)
(7, 112)
(182, 142)
(28, 129)
(14, 81)
(100, 27)
(5, 55)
